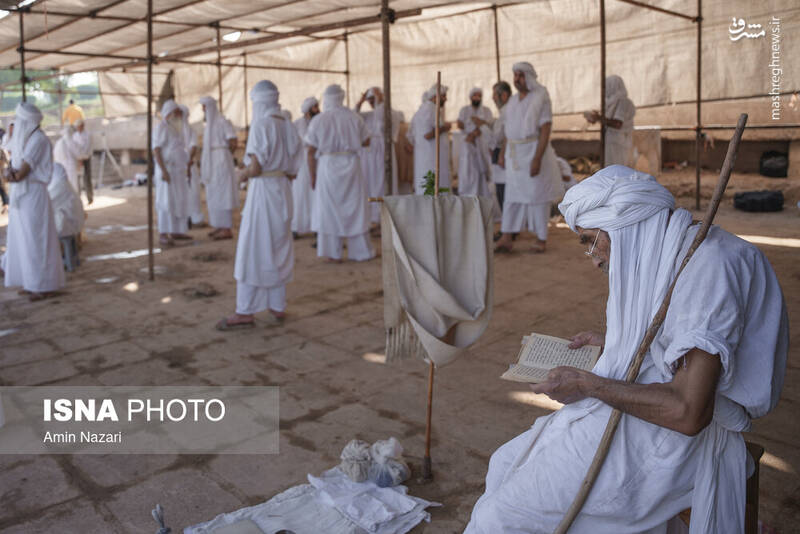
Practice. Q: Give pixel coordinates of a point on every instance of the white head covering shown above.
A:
(333, 97)
(430, 94)
(372, 92)
(264, 96)
(168, 107)
(26, 121)
(308, 103)
(530, 74)
(474, 91)
(613, 198)
(6, 140)
(615, 91)
(645, 240)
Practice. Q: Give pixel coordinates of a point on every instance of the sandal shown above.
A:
(219, 237)
(166, 242)
(503, 249)
(224, 326)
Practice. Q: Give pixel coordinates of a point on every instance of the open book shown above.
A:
(541, 353)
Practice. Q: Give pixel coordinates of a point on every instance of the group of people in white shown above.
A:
(320, 172)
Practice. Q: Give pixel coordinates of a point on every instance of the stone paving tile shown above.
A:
(78, 516)
(26, 488)
(110, 470)
(38, 372)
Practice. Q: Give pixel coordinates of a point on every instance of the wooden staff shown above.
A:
(655, 325)
(427, 471)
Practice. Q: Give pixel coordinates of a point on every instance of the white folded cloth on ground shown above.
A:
(329, 504)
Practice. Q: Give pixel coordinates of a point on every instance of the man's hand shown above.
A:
(565, 384)
(501, 161)
(478, 121)
(165, 176)
(472, 136)
(586, 338)
(536, 166)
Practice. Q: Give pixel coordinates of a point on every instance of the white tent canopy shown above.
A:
(655, 53)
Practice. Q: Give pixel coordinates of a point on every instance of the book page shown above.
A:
(541, 353)
(546, 352)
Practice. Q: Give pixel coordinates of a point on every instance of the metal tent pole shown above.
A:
(219, 69)
(22, 55)
(150, 259)
(386, 16)
(246, 113)
(698, 133)
(347, 67)
(496, 42)
(602, 83)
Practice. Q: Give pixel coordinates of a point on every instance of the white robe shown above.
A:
(523, 121)
(222, 191)
(195, 204)
(341, 207)
(302, 194)
(726, 302)
(70, 150)
(372, 165)
(496, 140)
(619, 141)
(33, 254)
(172, 197)
(265, 250)
(473, 158)
(67, 207)
(424, 150)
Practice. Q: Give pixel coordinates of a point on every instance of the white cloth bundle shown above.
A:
(437, 274)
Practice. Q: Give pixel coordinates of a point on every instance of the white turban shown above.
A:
(308, 103)
(474, 91)
(333, 97)
(26, 121)
(613, 198)
(431, 93)
(530, 73)
(168, 108)
(372, 92)
(265, 96)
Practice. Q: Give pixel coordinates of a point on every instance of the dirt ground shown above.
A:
(114, 327)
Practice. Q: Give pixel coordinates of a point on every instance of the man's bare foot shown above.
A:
(504, 244)
(276, 317)
(333, 260)
(182, 237)
(223, 233)
(165, 241)
(234, 322)
(538, 246)
(34, 297)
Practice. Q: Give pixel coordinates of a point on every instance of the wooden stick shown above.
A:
(655, 325)
(427, 471)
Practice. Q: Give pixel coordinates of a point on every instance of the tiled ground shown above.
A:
(114, 327)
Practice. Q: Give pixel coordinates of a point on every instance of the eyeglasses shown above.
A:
(590, 252)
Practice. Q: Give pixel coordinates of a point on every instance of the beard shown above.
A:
(176, 124)
(476, 103)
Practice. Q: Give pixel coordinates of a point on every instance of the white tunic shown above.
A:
(265, 250)
(473, 158)
(67, 207)
(496, 140)
(619, 141)
(341, 207)
(69, 150)
(194, 203)
(33, 254)
(727, 302)
(172, 196)
(523, 121)
(424, 152)
(222, 192)
(302, 194)
(372, 165)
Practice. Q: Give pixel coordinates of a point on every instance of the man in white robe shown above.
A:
(341, 209)
(75, 146)
(475, 120)
(372, 164)
(195, 204)
(217, 169)
(302, 194)
(265, 249)
(67, 207)
(531, 168)
(619, 122)
(717, 362)
(501, 92)
(171, 175)
(421, 135)
(33, 254)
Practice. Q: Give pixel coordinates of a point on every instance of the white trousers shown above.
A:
(359, 248)
(220, 218)
(516, 215)
(255, 299)
(167, 224)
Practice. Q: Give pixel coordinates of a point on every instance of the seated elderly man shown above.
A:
(717, 362)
